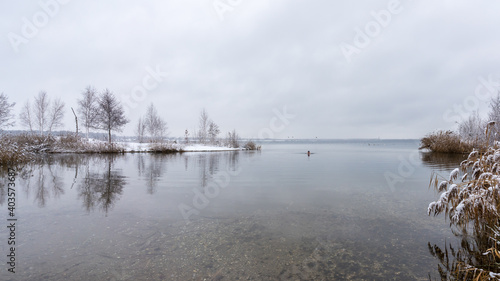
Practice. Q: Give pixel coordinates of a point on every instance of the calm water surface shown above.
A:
(353, 210)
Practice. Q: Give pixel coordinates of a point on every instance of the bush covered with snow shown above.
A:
(250, 145)
(11, 151)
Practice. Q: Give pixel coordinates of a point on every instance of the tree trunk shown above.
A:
(76, 122)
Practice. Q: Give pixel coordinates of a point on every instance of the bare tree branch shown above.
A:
(5, 112)
(154, 124)
(41, 107)
(26, 116)
(203, 126)
(140, 130)
(213, 131)
(88, 108)
(56, 115)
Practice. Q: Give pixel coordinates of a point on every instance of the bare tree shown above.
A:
(213, 131)
(472, 130)
(5, 112)
(41, 108)
(88, 108)
(76, 122)
(186, 137)
(232, 139)
(111, 116)
(56, 115)
(161, 129)
(203, 126)
(26, 116)
(140, 130)
(155, 125)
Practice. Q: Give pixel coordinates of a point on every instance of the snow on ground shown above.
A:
(145, 147)
(200, 147)
(135, 146)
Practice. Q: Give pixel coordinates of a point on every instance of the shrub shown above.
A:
(13, 150)
(70, 142)
(250, 145)
(232, 139)
(445, 141)
(103, 147)
(162, 148)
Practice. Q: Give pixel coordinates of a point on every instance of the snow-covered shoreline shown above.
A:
(148, 147)
(22, 148)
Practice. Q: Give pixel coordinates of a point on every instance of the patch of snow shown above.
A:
(454, 174)
(458, 211)
(464, 177)
(494, 275)
(145, 147)
(135, 146)
(200, 148)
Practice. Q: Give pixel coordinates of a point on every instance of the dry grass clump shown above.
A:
(22, 148)
(102, 147)
(34, 143)
(162, 148)
(250, 145)
(12, 152)
(70, 142)
(446, 142)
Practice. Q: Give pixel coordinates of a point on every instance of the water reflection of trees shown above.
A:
(101, 189)
(153, 169)
(41, 178)
(98, 186)
(210, 164)
(4, 170)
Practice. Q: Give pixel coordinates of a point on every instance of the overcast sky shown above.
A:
(319, 68)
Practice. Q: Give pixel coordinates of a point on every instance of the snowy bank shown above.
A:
(22, 148)
(148, 147)
(205, 148)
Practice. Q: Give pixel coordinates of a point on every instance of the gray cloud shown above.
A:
(264, 55)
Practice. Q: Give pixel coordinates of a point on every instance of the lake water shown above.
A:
(353, 210)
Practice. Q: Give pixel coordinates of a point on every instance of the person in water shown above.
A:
(308, 153)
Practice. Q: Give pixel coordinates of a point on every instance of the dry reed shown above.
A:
(470, 199)
(446, 142)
